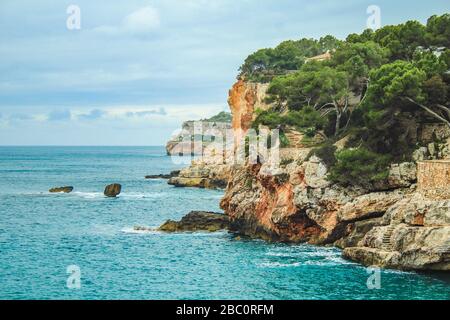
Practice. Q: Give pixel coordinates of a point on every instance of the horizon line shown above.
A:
(55, 145)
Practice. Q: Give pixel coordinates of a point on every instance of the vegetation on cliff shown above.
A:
(264, 64)
(220, 117)
(372, 89)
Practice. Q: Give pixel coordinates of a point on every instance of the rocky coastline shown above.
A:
(393, 225)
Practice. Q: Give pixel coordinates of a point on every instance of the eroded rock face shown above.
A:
(413, 235)
(368, 206)
(61, 190)
(244, 99)
(197, 221)
(113, 190)
(298, 204)
(280, 205)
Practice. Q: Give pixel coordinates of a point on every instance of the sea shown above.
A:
(83, 245)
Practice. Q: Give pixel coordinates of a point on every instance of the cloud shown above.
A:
(161, 111)
(20, 116)
(92, 115)
(142, 21)
(59, 115)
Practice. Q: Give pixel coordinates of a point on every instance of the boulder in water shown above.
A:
(112, 190)
(61, 190)
(197, 221)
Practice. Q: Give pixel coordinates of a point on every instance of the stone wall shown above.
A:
(434, 179)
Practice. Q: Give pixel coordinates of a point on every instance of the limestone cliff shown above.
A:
(181, 143)
(394, 226)
(244, 99)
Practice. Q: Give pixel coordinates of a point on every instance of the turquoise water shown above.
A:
(42, 234)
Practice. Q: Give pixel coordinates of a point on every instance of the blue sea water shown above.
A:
(41, 234)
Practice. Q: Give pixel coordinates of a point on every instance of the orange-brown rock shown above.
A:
(244, 99)
(262, 206)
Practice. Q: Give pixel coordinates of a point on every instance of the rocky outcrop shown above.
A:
(414, 234)
(203, 176)
(172, 174)
(61, 190)
(197, 221)
(112, 190)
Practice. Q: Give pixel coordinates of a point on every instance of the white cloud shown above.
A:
(142, 21)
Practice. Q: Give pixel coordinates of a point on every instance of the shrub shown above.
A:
(284, 141)
(327, 154)
(307, 117)
(310, 132)
(268, 118)
(304, 118)
(359, 167)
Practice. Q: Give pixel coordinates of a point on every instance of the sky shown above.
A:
(134, 70)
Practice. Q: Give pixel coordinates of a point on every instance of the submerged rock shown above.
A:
(112, 190)
(61, 189)
(197, 221)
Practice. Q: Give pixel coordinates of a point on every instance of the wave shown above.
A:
(150, 230)
(331, 261)
(279, 264)
(308, 256)
(303, 250)
(326, 262)
(399, 272)
(100, 195)
(88, 195)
